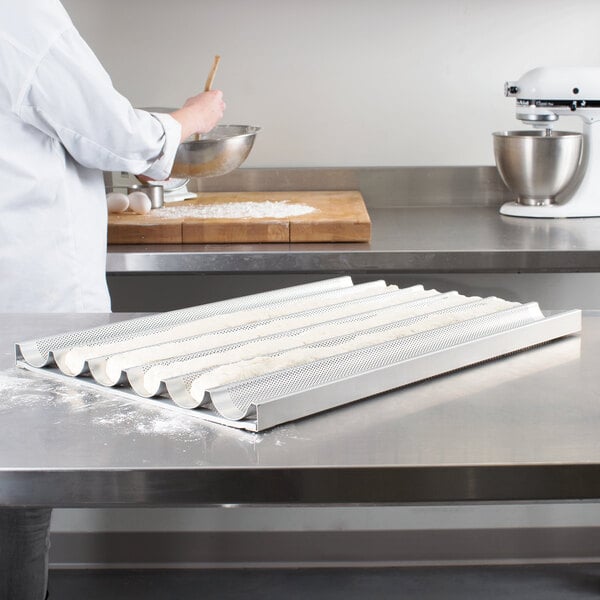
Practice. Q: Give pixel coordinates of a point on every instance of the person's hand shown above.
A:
(200, 113)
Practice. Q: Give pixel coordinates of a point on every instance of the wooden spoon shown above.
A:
(211, 75)
(208, 84)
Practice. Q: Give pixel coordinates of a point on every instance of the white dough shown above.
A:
(312, 334)
(117, 202)
(74, 360)
(284, 359)
(139, 203)
(118, 362)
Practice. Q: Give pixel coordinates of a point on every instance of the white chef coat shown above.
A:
(61, 124)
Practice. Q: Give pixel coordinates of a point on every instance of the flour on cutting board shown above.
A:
(236, 210)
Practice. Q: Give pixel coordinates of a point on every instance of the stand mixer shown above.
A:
(542, 96)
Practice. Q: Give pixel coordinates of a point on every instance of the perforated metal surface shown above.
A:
(425, 312)
(324, 321)
(35, 351)
(300, 341)
(73, 361)
(354, 308)
(143, 355)
(371, 358)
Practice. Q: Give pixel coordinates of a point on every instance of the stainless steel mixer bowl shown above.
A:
(218, 152)
(536, 167)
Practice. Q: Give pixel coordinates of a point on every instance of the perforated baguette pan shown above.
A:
(299, 350)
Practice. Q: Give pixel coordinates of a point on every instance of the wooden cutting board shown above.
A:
(338, 216)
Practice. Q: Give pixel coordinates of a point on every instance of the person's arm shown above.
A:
(71, 98)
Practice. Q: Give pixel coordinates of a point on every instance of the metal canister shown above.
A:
(155, 192)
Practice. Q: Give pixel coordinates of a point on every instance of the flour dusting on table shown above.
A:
(236, 210)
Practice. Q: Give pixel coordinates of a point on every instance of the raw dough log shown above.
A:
(315, 334)
(117, 363)
(248, 369)
(73, 361)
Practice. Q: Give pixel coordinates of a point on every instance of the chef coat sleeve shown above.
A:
(70, 97)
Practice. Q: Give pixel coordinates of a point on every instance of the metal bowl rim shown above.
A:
(207, 141)
(536, 133)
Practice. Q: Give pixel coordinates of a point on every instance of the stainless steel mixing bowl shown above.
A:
(221, 150)
(535, 166)
(215, 153)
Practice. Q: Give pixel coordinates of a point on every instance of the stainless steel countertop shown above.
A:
(404, 240)
(524, 427)
(424, 220)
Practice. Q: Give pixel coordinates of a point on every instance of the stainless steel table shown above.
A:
(524, 427)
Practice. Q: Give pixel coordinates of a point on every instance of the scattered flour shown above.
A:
(23, 389)
(147, 421)
(18, 388)
(236, 210)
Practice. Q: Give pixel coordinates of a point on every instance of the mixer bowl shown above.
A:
(536, 167)
(218, 152)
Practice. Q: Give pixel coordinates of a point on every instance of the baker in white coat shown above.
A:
(61, 124)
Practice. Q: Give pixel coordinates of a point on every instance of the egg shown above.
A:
(117, 202)
(139, 203)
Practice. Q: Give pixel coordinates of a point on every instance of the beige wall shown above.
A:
(344, 82)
